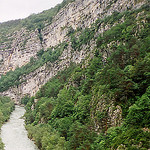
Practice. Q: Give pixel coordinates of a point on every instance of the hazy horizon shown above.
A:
(15, 9)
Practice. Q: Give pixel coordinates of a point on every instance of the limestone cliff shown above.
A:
(24, 44)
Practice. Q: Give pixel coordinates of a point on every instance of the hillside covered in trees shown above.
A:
(6, 107)
(67, 110)
(101, 103)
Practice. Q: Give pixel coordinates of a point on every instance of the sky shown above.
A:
(18, 9)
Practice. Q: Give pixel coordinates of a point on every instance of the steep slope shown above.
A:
(89, 87)
(103, 102)
(20, 44)
(23, 44)
(6, 107)
(21, 39)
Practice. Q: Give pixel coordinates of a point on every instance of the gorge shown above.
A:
(13, 133)
(23, 44)
(82, 71)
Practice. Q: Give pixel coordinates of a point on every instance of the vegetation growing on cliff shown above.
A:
(14, 78)
(38, 21)
(96, 105)
(34, 21)
(6, 107)
(74, 108)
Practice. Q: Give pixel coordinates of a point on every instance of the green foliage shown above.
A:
(82, 108)
(37, 21)
(1, 145)
(64, 105)
(120, 138)
(33, 22)
(52, 87)
(25, 100)
(6, 107)
(14, 78)
(132, 139)
(85, 37)
(45, 137)
(78, 101)
(8, 27)
(80, 137)
(139, 113)
(40, 53)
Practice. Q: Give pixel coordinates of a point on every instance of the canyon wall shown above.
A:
(24, 44)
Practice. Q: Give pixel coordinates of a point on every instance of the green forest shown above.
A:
(14, 78)
(34, 21)
(6, 107)
(103, 103)
(67, 109)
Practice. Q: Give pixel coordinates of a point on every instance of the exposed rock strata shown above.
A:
(40, 76)
(25, 44)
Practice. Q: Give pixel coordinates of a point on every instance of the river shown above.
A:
(14, 134)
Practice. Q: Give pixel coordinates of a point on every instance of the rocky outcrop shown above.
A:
(105, 114)
(81, 14)
(24, 44)
(39, 77)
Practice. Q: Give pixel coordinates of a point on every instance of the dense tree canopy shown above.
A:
(68, 104)
(72, 110)
(6, 107)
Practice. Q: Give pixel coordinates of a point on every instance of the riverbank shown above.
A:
(14, 134)
(6, 107)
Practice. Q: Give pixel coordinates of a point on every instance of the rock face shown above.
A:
(39, 77)
(81, 14)
(105, 114)
(24, 44)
